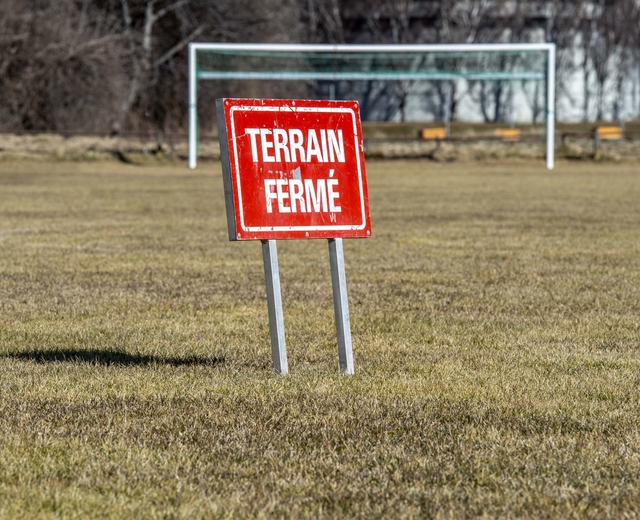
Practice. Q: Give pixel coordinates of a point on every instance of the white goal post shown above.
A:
(256, 66)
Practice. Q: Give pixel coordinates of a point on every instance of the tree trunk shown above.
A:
(497, 102)
(585, 86)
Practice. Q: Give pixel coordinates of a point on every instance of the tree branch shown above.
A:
(178, 47)
(166, 10)
(79, 48)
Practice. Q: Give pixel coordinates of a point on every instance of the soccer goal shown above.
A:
(334, 63)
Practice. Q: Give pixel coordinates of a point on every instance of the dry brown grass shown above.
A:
(382, 141)
(496, 325)
(128, 149)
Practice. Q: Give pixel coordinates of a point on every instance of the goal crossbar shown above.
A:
(363, 76)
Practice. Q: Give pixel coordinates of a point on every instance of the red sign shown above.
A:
(293, 169)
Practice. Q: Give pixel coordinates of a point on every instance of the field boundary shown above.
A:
(395, 141)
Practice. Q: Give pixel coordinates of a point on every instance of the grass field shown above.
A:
(496, 326)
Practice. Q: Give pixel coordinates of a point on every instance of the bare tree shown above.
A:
(146, 56)
(60, 65)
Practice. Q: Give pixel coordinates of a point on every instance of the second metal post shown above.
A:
(341, 305)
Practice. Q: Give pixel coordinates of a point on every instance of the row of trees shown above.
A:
(116, 65)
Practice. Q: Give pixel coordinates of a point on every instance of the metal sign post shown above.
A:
(341, 305)
(274, 304)
(294, 169)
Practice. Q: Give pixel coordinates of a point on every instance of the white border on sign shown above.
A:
(291, 108)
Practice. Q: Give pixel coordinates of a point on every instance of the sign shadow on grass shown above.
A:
(111, 358)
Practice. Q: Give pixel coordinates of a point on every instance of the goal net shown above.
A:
(338, 64)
